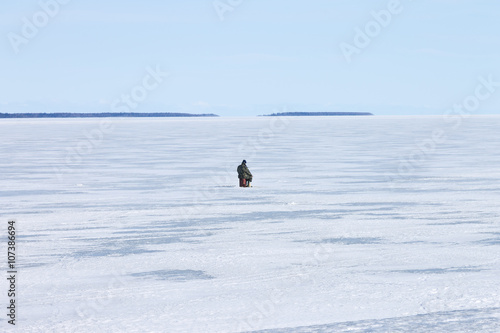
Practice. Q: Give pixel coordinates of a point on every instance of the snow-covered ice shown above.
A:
(354, 224)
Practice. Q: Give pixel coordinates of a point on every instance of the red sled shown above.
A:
(243, 182)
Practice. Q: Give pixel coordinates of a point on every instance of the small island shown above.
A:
(301, 114)
(101, 115)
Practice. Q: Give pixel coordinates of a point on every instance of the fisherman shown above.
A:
(244, 174)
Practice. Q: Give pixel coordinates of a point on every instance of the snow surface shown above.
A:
(354, 224)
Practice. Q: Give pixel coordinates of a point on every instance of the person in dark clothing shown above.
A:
(244, 174)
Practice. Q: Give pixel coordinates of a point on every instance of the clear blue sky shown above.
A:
(263, 56)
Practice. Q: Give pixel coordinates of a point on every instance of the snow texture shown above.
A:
(354, 224)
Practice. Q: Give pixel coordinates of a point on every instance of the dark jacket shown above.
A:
(243, 172)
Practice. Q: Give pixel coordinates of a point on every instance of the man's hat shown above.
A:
(244, 162)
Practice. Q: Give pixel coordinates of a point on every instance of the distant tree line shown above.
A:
(319, 114)
(101, 115)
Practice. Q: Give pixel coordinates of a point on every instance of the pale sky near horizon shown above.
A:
(420, 56)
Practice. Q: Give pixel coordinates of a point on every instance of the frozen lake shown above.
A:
(354, 224)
